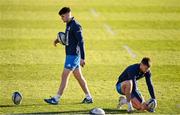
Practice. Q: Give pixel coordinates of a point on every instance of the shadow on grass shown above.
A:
(6, 106)
(115, 111)
(107, 111)
(45, 104)
(63, 112)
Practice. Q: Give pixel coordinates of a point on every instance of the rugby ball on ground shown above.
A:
(16, 98)
(97, 111)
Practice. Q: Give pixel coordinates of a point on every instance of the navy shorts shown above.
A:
(118, 88)
(72, 62)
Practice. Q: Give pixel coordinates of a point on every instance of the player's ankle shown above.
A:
(88, 96)
(129, 105)
(57, 97)
(124, 101)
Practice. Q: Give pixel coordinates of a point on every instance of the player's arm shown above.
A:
(131, 76)
(134, 85)
(79, 37)
(150, 85)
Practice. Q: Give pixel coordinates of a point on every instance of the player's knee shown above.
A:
(78, 77)
(81, 80)
(129, 84)
(127, 87)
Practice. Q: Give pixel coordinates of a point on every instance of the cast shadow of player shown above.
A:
(33, 104)
(107, 111)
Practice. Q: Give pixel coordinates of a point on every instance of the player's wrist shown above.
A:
(56, 41)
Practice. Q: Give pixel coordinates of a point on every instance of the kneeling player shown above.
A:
(127, 85)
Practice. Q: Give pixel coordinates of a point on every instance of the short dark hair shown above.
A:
(146, 61)
(64, 10)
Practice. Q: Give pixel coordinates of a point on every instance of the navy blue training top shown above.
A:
(74, 38)
(133, 73)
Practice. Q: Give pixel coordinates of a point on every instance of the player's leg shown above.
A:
(68, 68)
(138, 105)
(81, 80)
(127, 90)
(64, 81)
(122, 98)
(138, 101)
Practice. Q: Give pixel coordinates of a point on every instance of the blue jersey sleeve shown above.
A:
(132, 76)
(78, 35)
(149, 84)
(134, 85)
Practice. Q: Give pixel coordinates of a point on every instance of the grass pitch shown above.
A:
(117, 33)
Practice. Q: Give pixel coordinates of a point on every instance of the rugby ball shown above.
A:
(16, 98)
(61, 38)
(152, 104)
(97, 111)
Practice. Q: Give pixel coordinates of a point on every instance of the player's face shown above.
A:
(144, 68)
(65, 17)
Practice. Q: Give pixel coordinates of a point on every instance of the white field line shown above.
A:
(109, 29)
(106, 26)
(94, 13)
(133, 55)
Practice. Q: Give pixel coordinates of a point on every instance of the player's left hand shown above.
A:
(82, 62)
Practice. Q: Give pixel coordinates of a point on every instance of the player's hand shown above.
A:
(55, 42)
(155, 102)
(82, 62)
(151, 110)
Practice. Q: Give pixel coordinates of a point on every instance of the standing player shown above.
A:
(127, 85)
(75, 57)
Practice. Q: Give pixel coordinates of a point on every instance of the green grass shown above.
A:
(30, 64)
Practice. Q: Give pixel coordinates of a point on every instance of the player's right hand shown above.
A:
(82, 62)
(55, 42)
